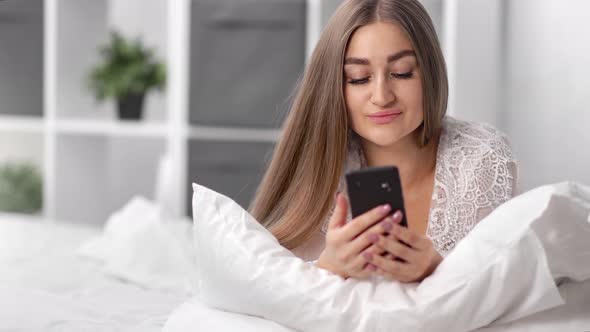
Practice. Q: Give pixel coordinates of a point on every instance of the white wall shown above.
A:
(548, 98)
(475, 66)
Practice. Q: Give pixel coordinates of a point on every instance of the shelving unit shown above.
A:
(93, 163)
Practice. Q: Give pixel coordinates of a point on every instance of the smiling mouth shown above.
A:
(384, 114)
(384, 117)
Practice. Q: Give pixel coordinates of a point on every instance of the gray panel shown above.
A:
(82, 27)
(97, 175)
(234, 169)
(246, 57)
(132, 168)
(21, 57)
(435, 11)
(80, 175)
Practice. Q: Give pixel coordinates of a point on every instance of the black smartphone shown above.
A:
(373, 186)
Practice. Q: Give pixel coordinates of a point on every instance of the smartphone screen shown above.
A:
(373, 186)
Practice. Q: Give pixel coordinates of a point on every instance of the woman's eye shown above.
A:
(403, 75)
(358, 80)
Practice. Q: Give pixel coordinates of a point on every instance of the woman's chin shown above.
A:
(383, 141)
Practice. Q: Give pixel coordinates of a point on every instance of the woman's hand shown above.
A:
(419, 257)
(348, 244)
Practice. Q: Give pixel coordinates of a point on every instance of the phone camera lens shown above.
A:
(385, 185)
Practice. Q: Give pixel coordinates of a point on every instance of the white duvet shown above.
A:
(502, 271)
(46, 286)
(573, 316)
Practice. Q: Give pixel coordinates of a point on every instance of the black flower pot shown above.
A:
(130, 106)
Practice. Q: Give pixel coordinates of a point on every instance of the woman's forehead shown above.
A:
(378, 41)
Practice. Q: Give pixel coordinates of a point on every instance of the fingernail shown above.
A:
(397, 216)
(386, 208)
(373, 238)
(387, 225)
(372, 267)
(367, 256)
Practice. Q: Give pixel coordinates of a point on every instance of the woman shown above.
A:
(375, 93)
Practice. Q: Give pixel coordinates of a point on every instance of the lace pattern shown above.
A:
(475, 173)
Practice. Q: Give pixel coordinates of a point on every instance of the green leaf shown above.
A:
(21, 188)
(127, 67)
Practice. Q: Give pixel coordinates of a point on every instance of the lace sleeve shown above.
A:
(498, 181)
(477, 172)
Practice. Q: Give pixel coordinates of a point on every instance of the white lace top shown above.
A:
(475, 172)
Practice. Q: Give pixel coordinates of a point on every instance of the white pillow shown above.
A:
(497, 273)
(564, 230)
(138, 246)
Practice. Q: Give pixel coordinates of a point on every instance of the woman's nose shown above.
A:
(382, 93)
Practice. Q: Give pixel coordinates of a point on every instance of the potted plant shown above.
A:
(128, 71)
(21, 188)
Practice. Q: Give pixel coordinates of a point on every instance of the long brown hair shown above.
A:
(297, 190)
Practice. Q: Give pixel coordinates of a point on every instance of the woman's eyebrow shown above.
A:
(391, 58)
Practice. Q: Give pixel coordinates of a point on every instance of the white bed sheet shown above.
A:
(46, 286)
(573, 316)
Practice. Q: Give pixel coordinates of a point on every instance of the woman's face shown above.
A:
(382, 79)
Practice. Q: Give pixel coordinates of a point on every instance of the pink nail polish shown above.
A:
(367, 256)
(387, 226)
(373, 238)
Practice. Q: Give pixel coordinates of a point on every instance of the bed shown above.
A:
(46, 286)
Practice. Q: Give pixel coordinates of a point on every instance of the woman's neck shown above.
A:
(414, 163)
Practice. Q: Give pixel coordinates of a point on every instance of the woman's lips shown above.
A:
(384, 117)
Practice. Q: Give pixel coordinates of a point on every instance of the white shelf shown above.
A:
(13, 216)
(233, 134)
(111, 128)
(21, 124)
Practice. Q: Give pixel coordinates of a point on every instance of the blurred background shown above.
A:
(104, 100)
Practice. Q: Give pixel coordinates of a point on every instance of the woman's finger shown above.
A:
(398, 269)
(393, 246)
(371, 235)
(368, 270)
(389, 256)
(365, 257)
(359, 224)
(390, 276)
(410, 237)
(338, 218)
